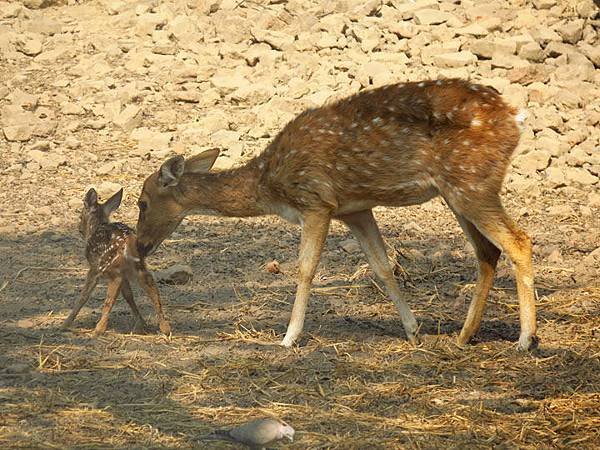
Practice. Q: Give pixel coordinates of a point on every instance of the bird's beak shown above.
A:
(291, 438)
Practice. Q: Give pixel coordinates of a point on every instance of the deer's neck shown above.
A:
(94, 221)
(234, 192)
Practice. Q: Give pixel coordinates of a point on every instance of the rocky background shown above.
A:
(101, 92)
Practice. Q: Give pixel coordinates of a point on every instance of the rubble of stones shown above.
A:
(101, 91)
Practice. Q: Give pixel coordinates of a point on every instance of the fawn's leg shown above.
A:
(112, 292)
(364, 227)
(90, 283)
(147, 282)
(140, 325)
(491, 220)
(487, 257)
(314, 233)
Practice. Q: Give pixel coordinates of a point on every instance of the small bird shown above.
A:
(256, 434)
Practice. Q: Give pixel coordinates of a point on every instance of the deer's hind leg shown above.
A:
(112, 292)
(487, 258)
(363, 226)
(486, 213)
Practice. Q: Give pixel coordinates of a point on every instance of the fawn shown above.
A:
(396, 145)
(111, 251)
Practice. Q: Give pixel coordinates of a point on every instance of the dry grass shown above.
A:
(353, 383)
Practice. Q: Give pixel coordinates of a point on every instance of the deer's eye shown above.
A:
(142, 205)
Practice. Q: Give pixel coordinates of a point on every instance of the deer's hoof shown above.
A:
(287, 342)
(528, 342)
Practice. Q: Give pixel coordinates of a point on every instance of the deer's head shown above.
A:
(162, 203)
(94, 213)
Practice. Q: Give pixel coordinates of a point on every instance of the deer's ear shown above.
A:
(91, 199)
(171, 171)
(201, 162)
(113, 203)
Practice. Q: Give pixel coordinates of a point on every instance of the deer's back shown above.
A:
(109, 244)
(395, 145)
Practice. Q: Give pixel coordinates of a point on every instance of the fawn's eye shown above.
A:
(142, 205)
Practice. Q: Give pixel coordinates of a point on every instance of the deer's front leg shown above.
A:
(112, 292)
(314, 232)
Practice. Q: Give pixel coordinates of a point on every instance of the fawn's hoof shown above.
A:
(414, 339)
(99, 330)
(165, 328)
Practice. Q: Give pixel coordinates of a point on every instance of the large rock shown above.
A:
(278, 40)
(191, 96)
(129, 118)
(430, 51)
(150, 140)
(43, 25)
(176, 274)
(402, 29)
(584, 153)
(47, 160)
(69, 108)
(228, 82)
(350, 246)
(579, 175)
(592, 52)
(225, 138)
(434, 17)
(486, 48)
(474, 29)
(20, 125)
(456, 59)
(23, 99)
(255, 93)
(29, 47)
(555, 176)
(532, 51)
(505, 61)
(531, 162)
(544, 4)
(571, 32)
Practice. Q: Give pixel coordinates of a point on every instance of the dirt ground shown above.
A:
(352, 382)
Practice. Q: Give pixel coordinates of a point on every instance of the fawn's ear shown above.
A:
(201, 162)
(113, 203)
(91, 199)
(171, 171)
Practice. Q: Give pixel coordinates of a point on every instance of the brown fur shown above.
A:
(397, 145)
(111, 251)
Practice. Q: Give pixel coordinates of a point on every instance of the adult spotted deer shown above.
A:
(396, 145)
(112, 252)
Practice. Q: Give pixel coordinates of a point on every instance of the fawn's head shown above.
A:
(94, 213)
(161, 203)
